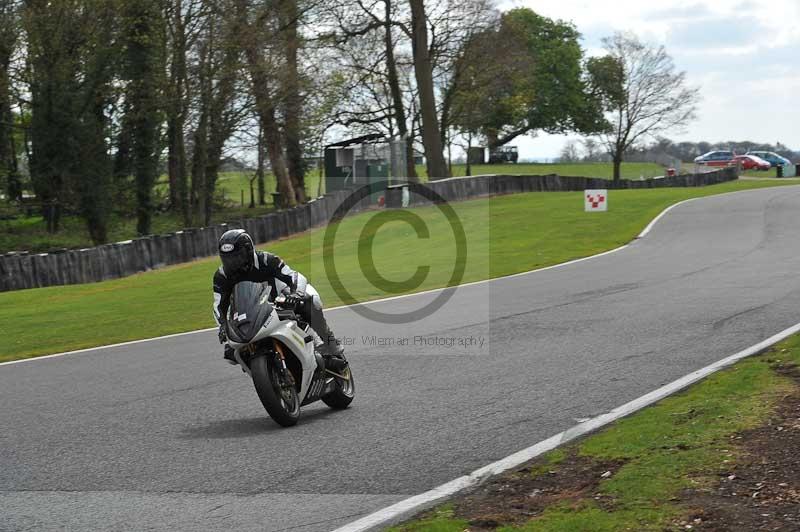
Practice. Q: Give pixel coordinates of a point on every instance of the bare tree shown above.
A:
(591, 151)
(569, 153)
(183, 20)
(254, 39)
(219, 111)
(644, 95)
(369, 36)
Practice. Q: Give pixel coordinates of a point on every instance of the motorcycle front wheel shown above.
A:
(277, 394)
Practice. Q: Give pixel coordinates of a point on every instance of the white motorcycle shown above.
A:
(279, 352)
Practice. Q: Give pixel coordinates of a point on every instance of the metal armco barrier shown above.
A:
(21, 270)
(461, 188)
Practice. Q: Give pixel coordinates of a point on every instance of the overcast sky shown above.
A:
(744, 56)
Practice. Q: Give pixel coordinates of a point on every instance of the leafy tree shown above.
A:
(143, 34)
(94, 171)
(537, 79)
(181, 18)
(52, 35)
(70, 56)
(219, 78)
(289, 17)
(9, 33)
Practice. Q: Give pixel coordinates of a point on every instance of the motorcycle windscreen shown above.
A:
(249, 310)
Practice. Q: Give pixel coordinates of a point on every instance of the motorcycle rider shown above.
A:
(241, 262)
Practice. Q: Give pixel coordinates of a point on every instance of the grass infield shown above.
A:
(505, 235)
(233, 189)
(693, 460)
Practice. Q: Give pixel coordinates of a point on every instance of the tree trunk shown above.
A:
(265, 106)
(469, 160)
(14, 181)
(492, 142)
(397, 94)
(176, 120)
(177, 168)
(199, 164)
(94, 165)
(293, 103)
(96, 174)
(6, 127)
(272, 140)
(431, 136)
(143, 54)
(252, 204)
(211, 174)
(260, 167)
(411, 165)
(617, 166)
(449, 157)
(219, 127)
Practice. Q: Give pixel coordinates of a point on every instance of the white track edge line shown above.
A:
(109, 346)
(529, 272)
(655, 220)
(415, 294)
(407, 507)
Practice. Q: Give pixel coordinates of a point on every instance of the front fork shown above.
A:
(281, 357)
(287, 379)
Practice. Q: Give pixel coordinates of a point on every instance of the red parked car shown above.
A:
(752, 162)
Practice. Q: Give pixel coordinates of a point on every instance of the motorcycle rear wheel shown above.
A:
(280, 402)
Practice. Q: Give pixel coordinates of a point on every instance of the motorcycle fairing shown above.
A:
(249, 310)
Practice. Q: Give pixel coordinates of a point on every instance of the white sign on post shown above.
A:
(595, 200)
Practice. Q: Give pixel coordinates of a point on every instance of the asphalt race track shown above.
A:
(164, 435)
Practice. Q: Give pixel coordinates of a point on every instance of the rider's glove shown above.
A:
(295, 299)
(223, 337)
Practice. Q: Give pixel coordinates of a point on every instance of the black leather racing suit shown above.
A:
(271, 269)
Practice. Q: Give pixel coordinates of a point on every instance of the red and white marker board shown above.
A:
(595, 200)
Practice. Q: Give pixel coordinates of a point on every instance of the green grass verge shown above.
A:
(684, 441)
(600, 170)
(231, 184)
(30, 234)
(773, 173)
(505, 235)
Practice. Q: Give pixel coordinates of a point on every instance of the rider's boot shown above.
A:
(331, 348)
(333, 353)
(228, 355)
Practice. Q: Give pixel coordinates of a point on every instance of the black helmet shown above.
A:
(237, 252)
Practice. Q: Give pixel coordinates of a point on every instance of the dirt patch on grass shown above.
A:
(516, 497)
(762, 490)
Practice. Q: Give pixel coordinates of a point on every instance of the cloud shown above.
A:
(743, 56)
(714, 34)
